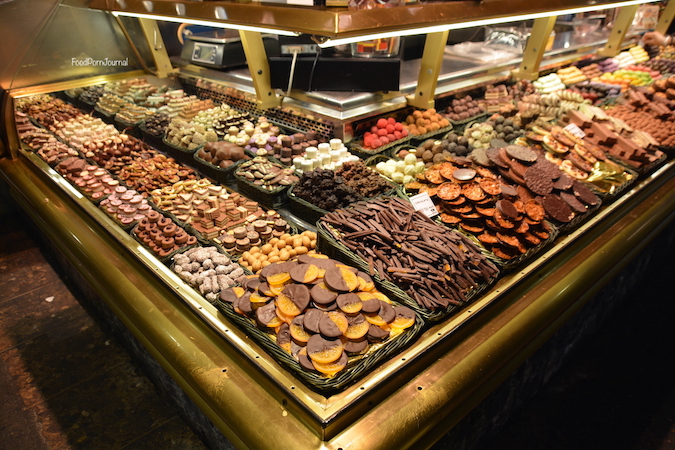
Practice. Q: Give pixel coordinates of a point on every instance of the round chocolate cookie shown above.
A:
(574, 203)
(508, 190)
(480, 157)
(549, 168)
(507, 208)
(464, 174)
(521, 153)
(563, 183)
(585, 194)
(537, 180)
(557, 208)
(493, 154)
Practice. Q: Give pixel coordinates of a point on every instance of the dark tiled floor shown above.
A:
(66, 384)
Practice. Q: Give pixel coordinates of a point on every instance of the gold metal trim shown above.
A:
(432, 60)
(156, 46)
(666, 18)
(256, 57)
(535, 48)
(621, 26)
(342, 22)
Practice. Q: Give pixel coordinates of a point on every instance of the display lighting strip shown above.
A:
(207, 23)
(476, 23)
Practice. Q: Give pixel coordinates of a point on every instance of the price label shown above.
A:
(422, 202)
(575, 130)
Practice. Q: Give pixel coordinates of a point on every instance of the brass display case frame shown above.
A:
(411, 400)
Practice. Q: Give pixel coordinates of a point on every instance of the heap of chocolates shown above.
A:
(473, 199)
(434, 266)
(319, 310)
(161, 235)
(323, 189)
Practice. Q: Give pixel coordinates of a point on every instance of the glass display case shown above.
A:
(415, 396)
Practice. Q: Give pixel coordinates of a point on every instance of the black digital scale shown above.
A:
(220, 49)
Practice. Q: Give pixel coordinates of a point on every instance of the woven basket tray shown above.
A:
(180, 154)
(224, 176)
(364, 153)
(356, 367)
(274, 199)
(329, 245)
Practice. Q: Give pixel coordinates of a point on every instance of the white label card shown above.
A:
(422, 202)
(575, 130)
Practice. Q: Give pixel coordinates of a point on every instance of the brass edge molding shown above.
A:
(222, 385)
(72, 84)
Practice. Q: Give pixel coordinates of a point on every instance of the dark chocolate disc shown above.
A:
(334, 280)
(365, 276)
(507, 208)
(244, 304)
(537, 181)
(296, 347)
(508, 190)
(376, 333)
(557, 208)
(480, 157)
(251, 283)
(404, 312)
(229, 295)
(317, 344)
(298, 272)
(505, 157)
(371, 306)
(322, 263)
(563, 183)
(328, 328)
(349, 303)
(311, 320)
(284, 335)
(521, 153)
(493, 155)
(386, 312)
(549, 168)
(274, 268)
(299, 295)
(356, 347)
(266, 314)
(322, 295)
(464, 174)
(585, 194)
(574, 203)
(305, 362)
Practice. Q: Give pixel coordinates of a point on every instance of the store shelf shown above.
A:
(343, 22)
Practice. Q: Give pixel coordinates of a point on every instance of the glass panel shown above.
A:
(79, 43)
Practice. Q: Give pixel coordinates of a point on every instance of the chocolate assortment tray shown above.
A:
(265, 181)
(322, 320)
(411, 258)
(364, 153)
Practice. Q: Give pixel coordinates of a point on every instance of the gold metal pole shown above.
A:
(619, 30)
(535, 48)
(432, 59)
(256, 57)
(157, 47)
(666, 18)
